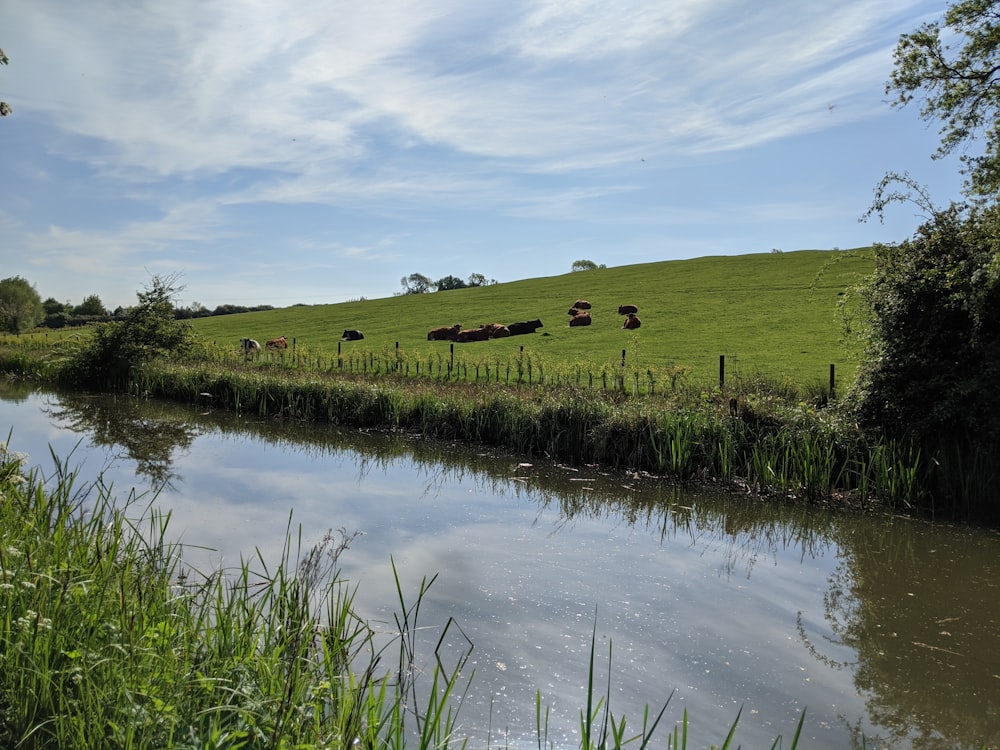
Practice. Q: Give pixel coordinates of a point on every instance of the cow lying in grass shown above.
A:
(483, 333)
(497, 330)
(527, 326)
(444, 333)
(473, 334)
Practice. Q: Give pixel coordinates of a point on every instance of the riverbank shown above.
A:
(761, 437)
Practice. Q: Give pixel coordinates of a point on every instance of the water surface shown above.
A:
(876, 625)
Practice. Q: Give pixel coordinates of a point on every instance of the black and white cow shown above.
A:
(352, 335)
(249, 346)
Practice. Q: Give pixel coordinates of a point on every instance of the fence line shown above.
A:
(521, 368)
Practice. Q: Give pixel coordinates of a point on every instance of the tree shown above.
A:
(4, 106)
(961, 88)
(146, 331)
(20, 306)
(194, 310)
(929, 371)
(477, 279)
(91, 305)
(449, 282)
(416, 283)
(931, 362)
(51, 306)
(933, 346)
(585, 265)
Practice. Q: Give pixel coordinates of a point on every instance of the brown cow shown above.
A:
(583, 319)
(626, 309)
(581, 304)
(632, 322)
(444, 333)
(279, 343)
(497, 330)
(573, 312)
(473, 334)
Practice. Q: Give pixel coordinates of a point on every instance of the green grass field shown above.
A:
(771, 313)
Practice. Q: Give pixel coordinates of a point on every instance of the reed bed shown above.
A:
(771, 446)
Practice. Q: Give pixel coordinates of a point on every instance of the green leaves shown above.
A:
(148, 330)
(933, 351)
(20, 305)
(961, 88)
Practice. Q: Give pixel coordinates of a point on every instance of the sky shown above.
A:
(318, 151)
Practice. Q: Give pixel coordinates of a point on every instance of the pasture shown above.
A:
(769, 314)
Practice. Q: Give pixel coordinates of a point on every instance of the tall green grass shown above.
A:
(108, 640)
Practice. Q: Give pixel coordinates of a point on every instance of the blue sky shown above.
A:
(319, 151)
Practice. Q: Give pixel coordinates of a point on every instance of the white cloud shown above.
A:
(401, 114)
(189, 87)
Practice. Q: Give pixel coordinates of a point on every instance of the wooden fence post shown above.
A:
(832, 380)
(722, 372)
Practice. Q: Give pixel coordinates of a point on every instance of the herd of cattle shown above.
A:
(579, 315)
(484, 332)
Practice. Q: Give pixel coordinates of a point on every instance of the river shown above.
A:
(874, 625)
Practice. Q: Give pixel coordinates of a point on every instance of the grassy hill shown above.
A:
(770, 313)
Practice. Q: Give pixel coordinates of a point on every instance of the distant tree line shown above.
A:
(417, 283)
(22, 308)
(197, 310)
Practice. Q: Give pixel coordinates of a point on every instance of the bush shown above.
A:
(932, 361)
(147, 331)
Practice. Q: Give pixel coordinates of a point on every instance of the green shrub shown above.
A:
(932, 360)
(147, 331)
